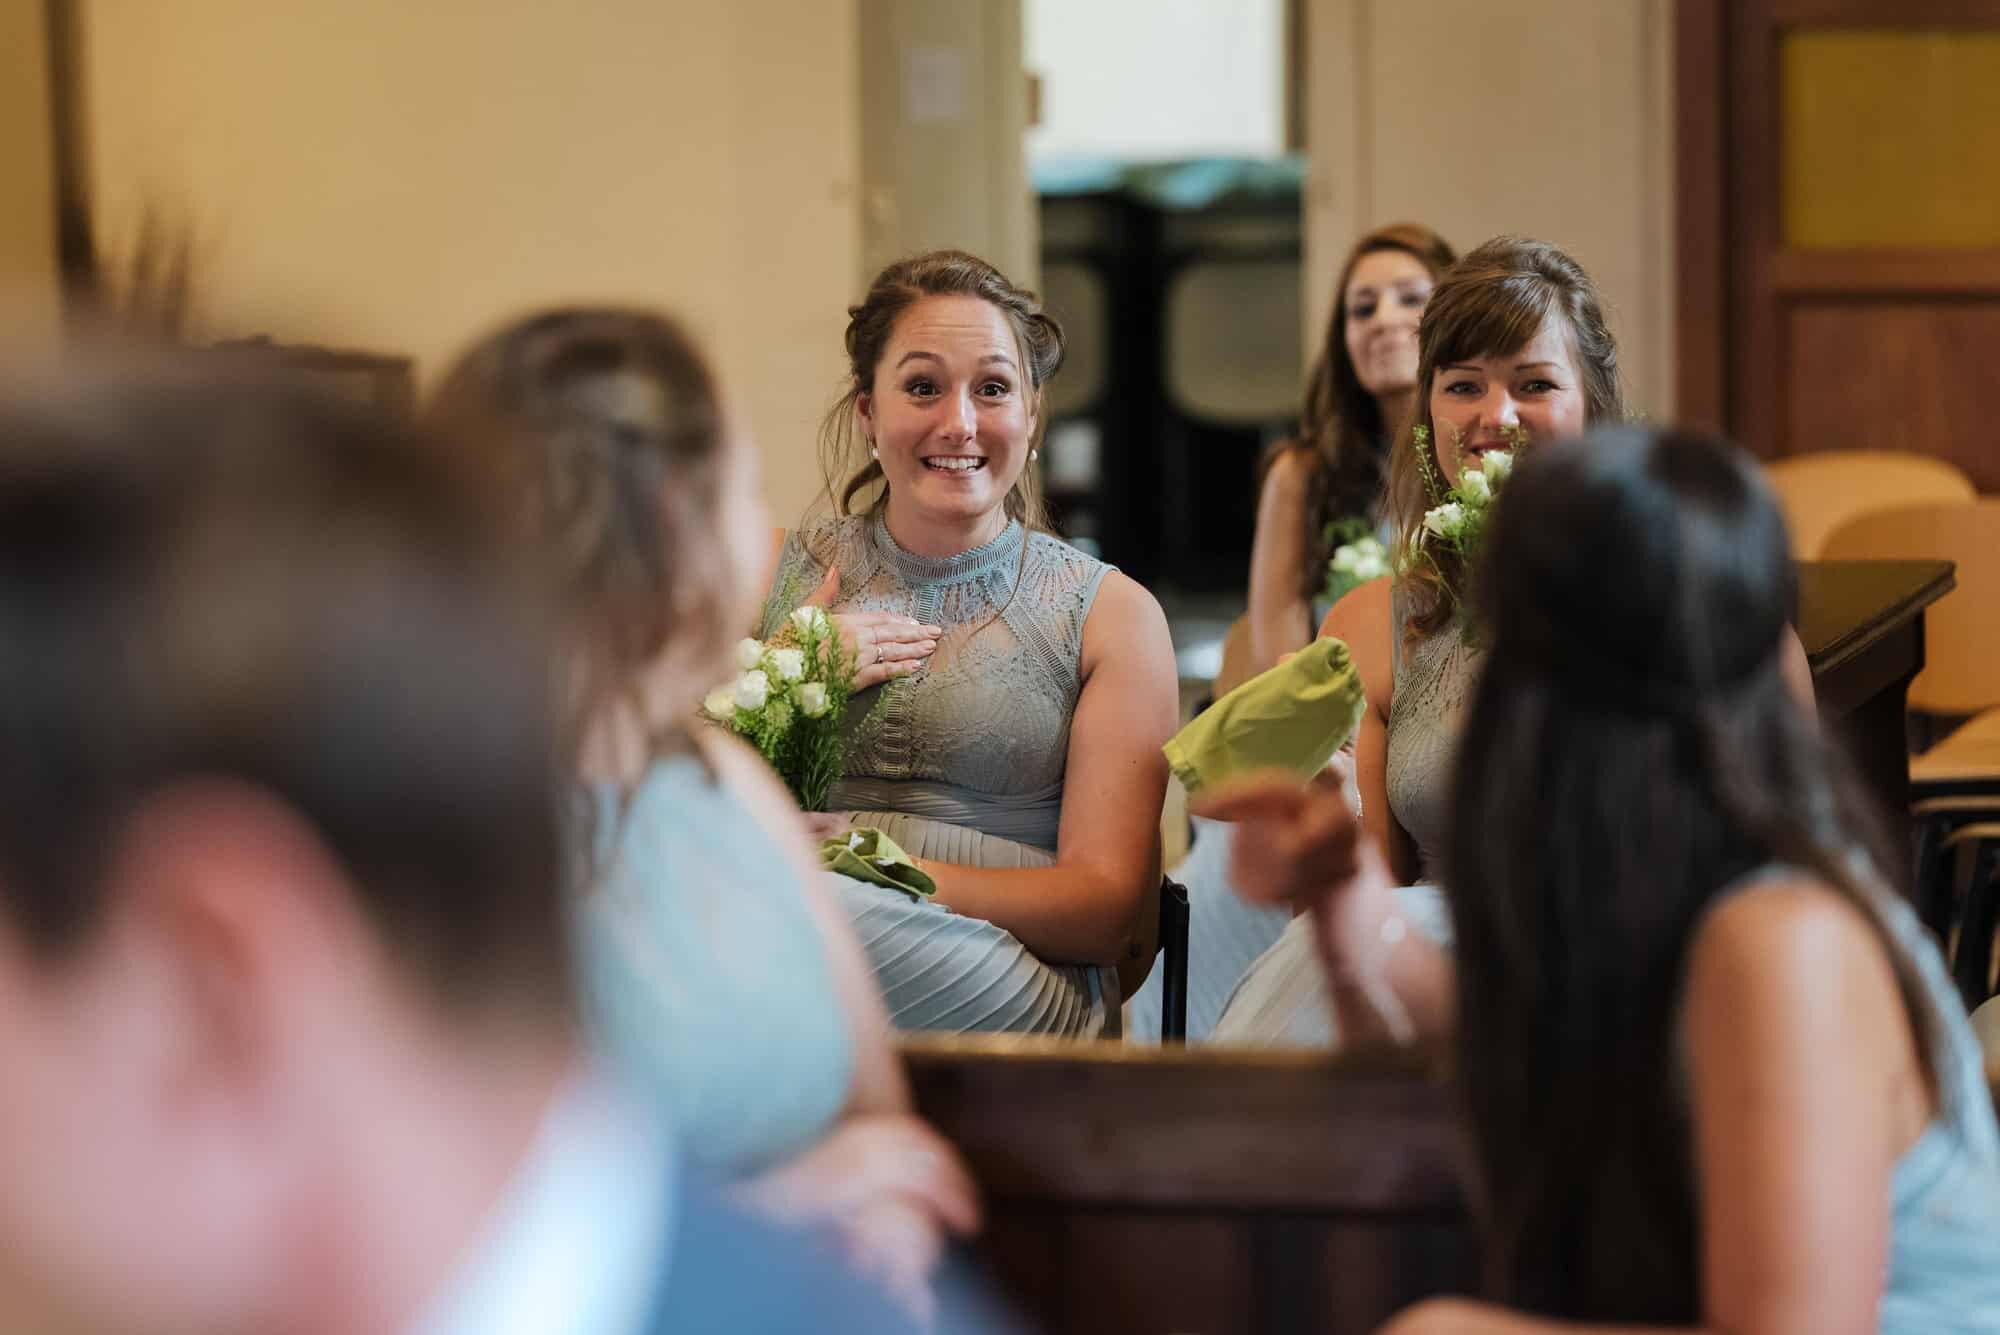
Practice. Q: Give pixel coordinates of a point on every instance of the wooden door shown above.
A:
(1838, 225)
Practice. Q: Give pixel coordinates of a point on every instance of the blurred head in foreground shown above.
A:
(645, 501)
(281, 945)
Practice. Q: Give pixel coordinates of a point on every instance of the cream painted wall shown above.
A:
(30, 307)
(944, 108)
(398, 176)
(1544, 117)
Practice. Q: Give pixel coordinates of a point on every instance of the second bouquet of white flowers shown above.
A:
(789, 699)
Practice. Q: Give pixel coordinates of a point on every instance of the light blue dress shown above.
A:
(706, 976)
(961, 762)
(1944, 1241)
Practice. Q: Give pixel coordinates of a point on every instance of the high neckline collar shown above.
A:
(998, 552)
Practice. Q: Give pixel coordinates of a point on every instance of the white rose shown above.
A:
(1475, 487)
(1370, 565)
(1445, 520)
(812, 699)
(748, 651)
(753, 688)
(1344, 559)
(791, 663)
(1497, 465)
(807, 620)
(720, 703)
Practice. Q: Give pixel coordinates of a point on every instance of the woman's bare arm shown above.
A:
(1280, 615)
(1364, 622)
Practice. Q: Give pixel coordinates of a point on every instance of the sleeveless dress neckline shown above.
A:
(997, 553)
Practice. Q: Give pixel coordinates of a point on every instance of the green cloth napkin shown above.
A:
(1293, 717)
(867, 854)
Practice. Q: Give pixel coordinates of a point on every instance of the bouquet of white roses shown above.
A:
(789, 699)
(1358, 556)
(1454, 528)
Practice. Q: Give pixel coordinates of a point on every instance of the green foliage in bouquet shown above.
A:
(1454, 528)
(789, 700)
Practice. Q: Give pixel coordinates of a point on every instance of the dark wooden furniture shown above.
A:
(1152, 1190)
(1862, 624)
(1837, 257)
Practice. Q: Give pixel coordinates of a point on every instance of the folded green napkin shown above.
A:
(1293, 717)
(867, 854)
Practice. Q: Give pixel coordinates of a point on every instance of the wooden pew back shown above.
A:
(1160, 1190)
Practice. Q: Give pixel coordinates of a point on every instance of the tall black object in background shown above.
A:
(1183, 317)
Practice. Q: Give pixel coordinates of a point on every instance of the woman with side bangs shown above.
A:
(1514, 350)
(1716, 1076)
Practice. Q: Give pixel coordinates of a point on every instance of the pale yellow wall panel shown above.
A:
(1891, 139)
(399, 176)
(944, 104)
(30, 307)
(1548, 118)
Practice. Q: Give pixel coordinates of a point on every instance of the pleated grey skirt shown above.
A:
(941, 971)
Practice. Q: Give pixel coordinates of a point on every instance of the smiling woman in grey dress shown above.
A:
(1016, 690)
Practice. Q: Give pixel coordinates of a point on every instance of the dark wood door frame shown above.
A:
(1736, 281)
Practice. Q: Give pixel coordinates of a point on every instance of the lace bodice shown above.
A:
(1427, 703)
(979, 734)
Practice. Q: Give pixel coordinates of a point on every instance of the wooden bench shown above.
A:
(1134, 1189)
(1141, 1191)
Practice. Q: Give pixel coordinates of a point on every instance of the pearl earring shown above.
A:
(1034, 455)
(873, 453)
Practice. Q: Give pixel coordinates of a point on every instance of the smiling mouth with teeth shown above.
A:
(941, 463)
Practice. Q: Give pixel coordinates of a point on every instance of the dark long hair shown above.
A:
(1631, 751)
(1340, 424)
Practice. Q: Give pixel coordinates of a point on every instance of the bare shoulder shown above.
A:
(1125, 616)
(1364, 621)
(1790, 946)
(1291, 468)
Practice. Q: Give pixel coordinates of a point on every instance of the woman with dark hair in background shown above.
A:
(1331, 473)
(1357, 398)
(1716, 1075)
(1024, 688)
(718, 970)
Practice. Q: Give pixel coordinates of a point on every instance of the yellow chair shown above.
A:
(1955, 785)
(1961, 633)
(1819, 492)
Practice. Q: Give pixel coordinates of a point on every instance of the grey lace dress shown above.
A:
(961, 762)
(1281, 1000)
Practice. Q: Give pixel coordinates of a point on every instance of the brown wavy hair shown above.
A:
(618, 437)
(1340, 424)
(844, 463)
(1491, 302)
